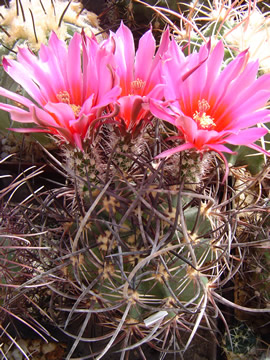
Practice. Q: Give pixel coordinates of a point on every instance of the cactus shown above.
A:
(129, 259)
(240, 343)
(31, 22)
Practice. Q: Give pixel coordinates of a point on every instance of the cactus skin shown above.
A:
(241, 343)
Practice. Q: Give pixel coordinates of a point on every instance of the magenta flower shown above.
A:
(139, 75)
(69, 87)
(210, 107)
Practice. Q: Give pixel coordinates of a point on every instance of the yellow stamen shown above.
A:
(203, 120)
(76, 109)
(137, 84)
(64, 97)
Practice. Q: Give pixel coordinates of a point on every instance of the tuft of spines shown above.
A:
(30, 23)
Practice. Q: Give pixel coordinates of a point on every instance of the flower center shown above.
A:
(203, 120)
(64, 97)
(137, 84)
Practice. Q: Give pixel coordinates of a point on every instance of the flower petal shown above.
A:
(144, 56)
(15, 97)
(125, 55)
(160, 111)
(247, 136)
(18, 74)
(175, 150)
(74, 69)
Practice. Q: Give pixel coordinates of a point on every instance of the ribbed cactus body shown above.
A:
(143, 247)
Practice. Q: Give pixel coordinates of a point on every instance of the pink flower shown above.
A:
(210, 107)
(69, 86)
(139, 76)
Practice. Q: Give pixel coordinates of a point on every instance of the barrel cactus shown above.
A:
(30, 23)
(128, 261)
(241, 343)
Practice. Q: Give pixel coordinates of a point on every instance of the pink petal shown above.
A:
(256, 101)
(231, 71)
(231, 117)
(214, 63)
(125, 54)
(251, 119)
(40, 74)
(85, 65)
(57, 50)
(28, 130)
(242, 84)
(63, 114)
(206, 138)
(18, 74)
(246, 136)
(161, 112)
(109, 97)
(74, 69)
(105, 77)
(55, 55)
(131, 110)
(259, 149)
(172, 151)
(41, 117)
(22, 116)
(196, 60)
(19, 115)
(78, 141)
(220, 148)
(157, 92)
(90, 66)
(80, 125)
(15, 97)
(144, 56)
(88, 105)
(163, 47)
(188, 127)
